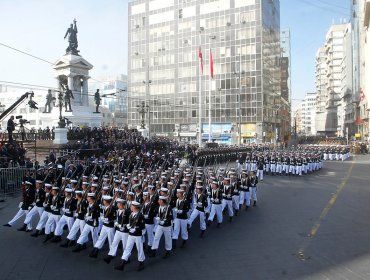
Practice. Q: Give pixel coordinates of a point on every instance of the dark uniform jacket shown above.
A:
(92, 215)
(28, 198)
(201, 201)
(216, 196)
(122, 219)
(182, 207)
(165, 216)
(56, 204)
(109, 216)
(69, 206)
(149, 211)
(39, 197)
(136, 224)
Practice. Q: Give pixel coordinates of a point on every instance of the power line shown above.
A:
(333, 5)
(25, 53)
(325, 8)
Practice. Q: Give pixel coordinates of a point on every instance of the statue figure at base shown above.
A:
(72, 39)
(67, 99)
(49, 99)
(97, 100)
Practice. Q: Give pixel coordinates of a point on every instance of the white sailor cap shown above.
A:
(95, 178)
(180, 191)
(164, 190)
(85, 177)
(162, 197)
(68, 190)
(182, 186)
(94, 185)
(60, 166)
(117, 181)
(39, 181)
(48, 185)
(28, 183)
(73, 181)
(55, 188)
(106, 188)
(78, 192)
(145, 193)
(151, 187)
(135, 203)
(130, 193)
(91, 194)
(85, 183)
(120, 200)
(199, 187)
(107, 197)
(63, 178)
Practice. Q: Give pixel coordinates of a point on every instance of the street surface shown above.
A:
(310, 227)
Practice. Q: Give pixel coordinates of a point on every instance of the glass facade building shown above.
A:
(164, 69)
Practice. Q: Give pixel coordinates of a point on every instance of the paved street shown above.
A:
(313, 227)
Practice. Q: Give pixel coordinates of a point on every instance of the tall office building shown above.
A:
(308, 113)
(164, 69)
(285, 64)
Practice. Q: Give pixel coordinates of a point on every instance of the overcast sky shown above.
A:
(38, 27)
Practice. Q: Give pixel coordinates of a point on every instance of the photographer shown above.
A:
(10, 127)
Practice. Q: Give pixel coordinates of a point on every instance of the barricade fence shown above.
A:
(11, 180)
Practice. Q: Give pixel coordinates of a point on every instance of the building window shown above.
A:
(193, 113)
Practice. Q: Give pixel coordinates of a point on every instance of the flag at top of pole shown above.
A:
(361, 96)
(200, 55)
(211, 63)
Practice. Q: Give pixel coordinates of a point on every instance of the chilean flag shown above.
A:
(211, 63)
(200, 55)
(361, 96)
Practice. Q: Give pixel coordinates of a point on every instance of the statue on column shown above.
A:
(67, 99)
(72, 39)
(49, 99)
(97, 100)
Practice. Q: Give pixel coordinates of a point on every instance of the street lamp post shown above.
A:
(147, 83)
(239, 73)
(142, 109)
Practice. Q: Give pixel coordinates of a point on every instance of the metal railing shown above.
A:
(11, 180)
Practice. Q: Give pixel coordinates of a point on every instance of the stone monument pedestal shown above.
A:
(60, 136)
(144, 132)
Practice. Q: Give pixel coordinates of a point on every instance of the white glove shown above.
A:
(146, 216)
(44, 204)
(217, 200)
(75, 214)
(29, 207)
(161, 223)
(116, 224)
(212, 200)
(132, 230)
(33, 204)
(52, 207)
(200, 204)
(179, 211)
(175, 209)
(157, 219)
(20, 205)
(195, 204)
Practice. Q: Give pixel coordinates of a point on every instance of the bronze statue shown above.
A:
(67, 99)
(49, 99)
(72, 39)
(97, 100)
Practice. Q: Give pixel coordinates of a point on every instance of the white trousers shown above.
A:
(19, 215)
(202, 219)
(245, 198)
(42, 222)
(299, 170)
(291, 169)
(119, 236)
(216, 209)
(150, 233)
(273, 168)
(235, 200)
(32, 213)
(78, 225)
(254, 193)
(166, 231)
(229, 204)
(64, 220)
(285, 168)
(51, 223)
(106, 232)
(131, 241)
(84, 237)
(180, 224)
(279, 168)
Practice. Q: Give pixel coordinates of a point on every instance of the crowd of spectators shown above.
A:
(322, 140)
(12, 154)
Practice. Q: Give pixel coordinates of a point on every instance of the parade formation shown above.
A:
(135, 198)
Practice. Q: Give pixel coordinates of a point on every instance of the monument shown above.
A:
(72, 74)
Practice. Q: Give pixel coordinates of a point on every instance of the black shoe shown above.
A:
(42, 231)
(72, 243)
(48, 237)
(28, 230)
(255, 203)
(202, 234)
(23, 228)
(7, 225)
(56, 239)
(166, 255)
(218, 225)
(152, 253)
(108, 259)
(174, 244)
(236, 212)
(65, 244)
(207, 216)
(183, 244)
(141, 266)
(77, 249)
(120, 266)
(209, 223)
(246, 208)
(94, 253)
(230, 219)
(37, 233)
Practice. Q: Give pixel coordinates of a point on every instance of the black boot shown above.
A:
(94, 253)
(42, 231)
(56, 239)
(202, 234)
(174, 244)
(246, 208)
(72, 243)
(208, 223)
(23, 228)
(236, 212)
(141, 266)
(37, 233)
(218, 225)
(77, 249)
(152, 253)
(108, 259)
(120, 266)
(230, 219)
(48, 237)
(166, 255)
(65, 244)
(183, 244)
(7, 225)
(255, 203)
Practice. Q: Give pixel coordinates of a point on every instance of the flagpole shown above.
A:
(200, 105)
(209, 96)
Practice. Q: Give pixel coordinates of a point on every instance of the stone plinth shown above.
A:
(60, 136)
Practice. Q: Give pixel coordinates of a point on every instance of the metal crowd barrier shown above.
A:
(11, 181)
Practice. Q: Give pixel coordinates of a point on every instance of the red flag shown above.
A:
(200, 55)
(211, 63)
(361, 96)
